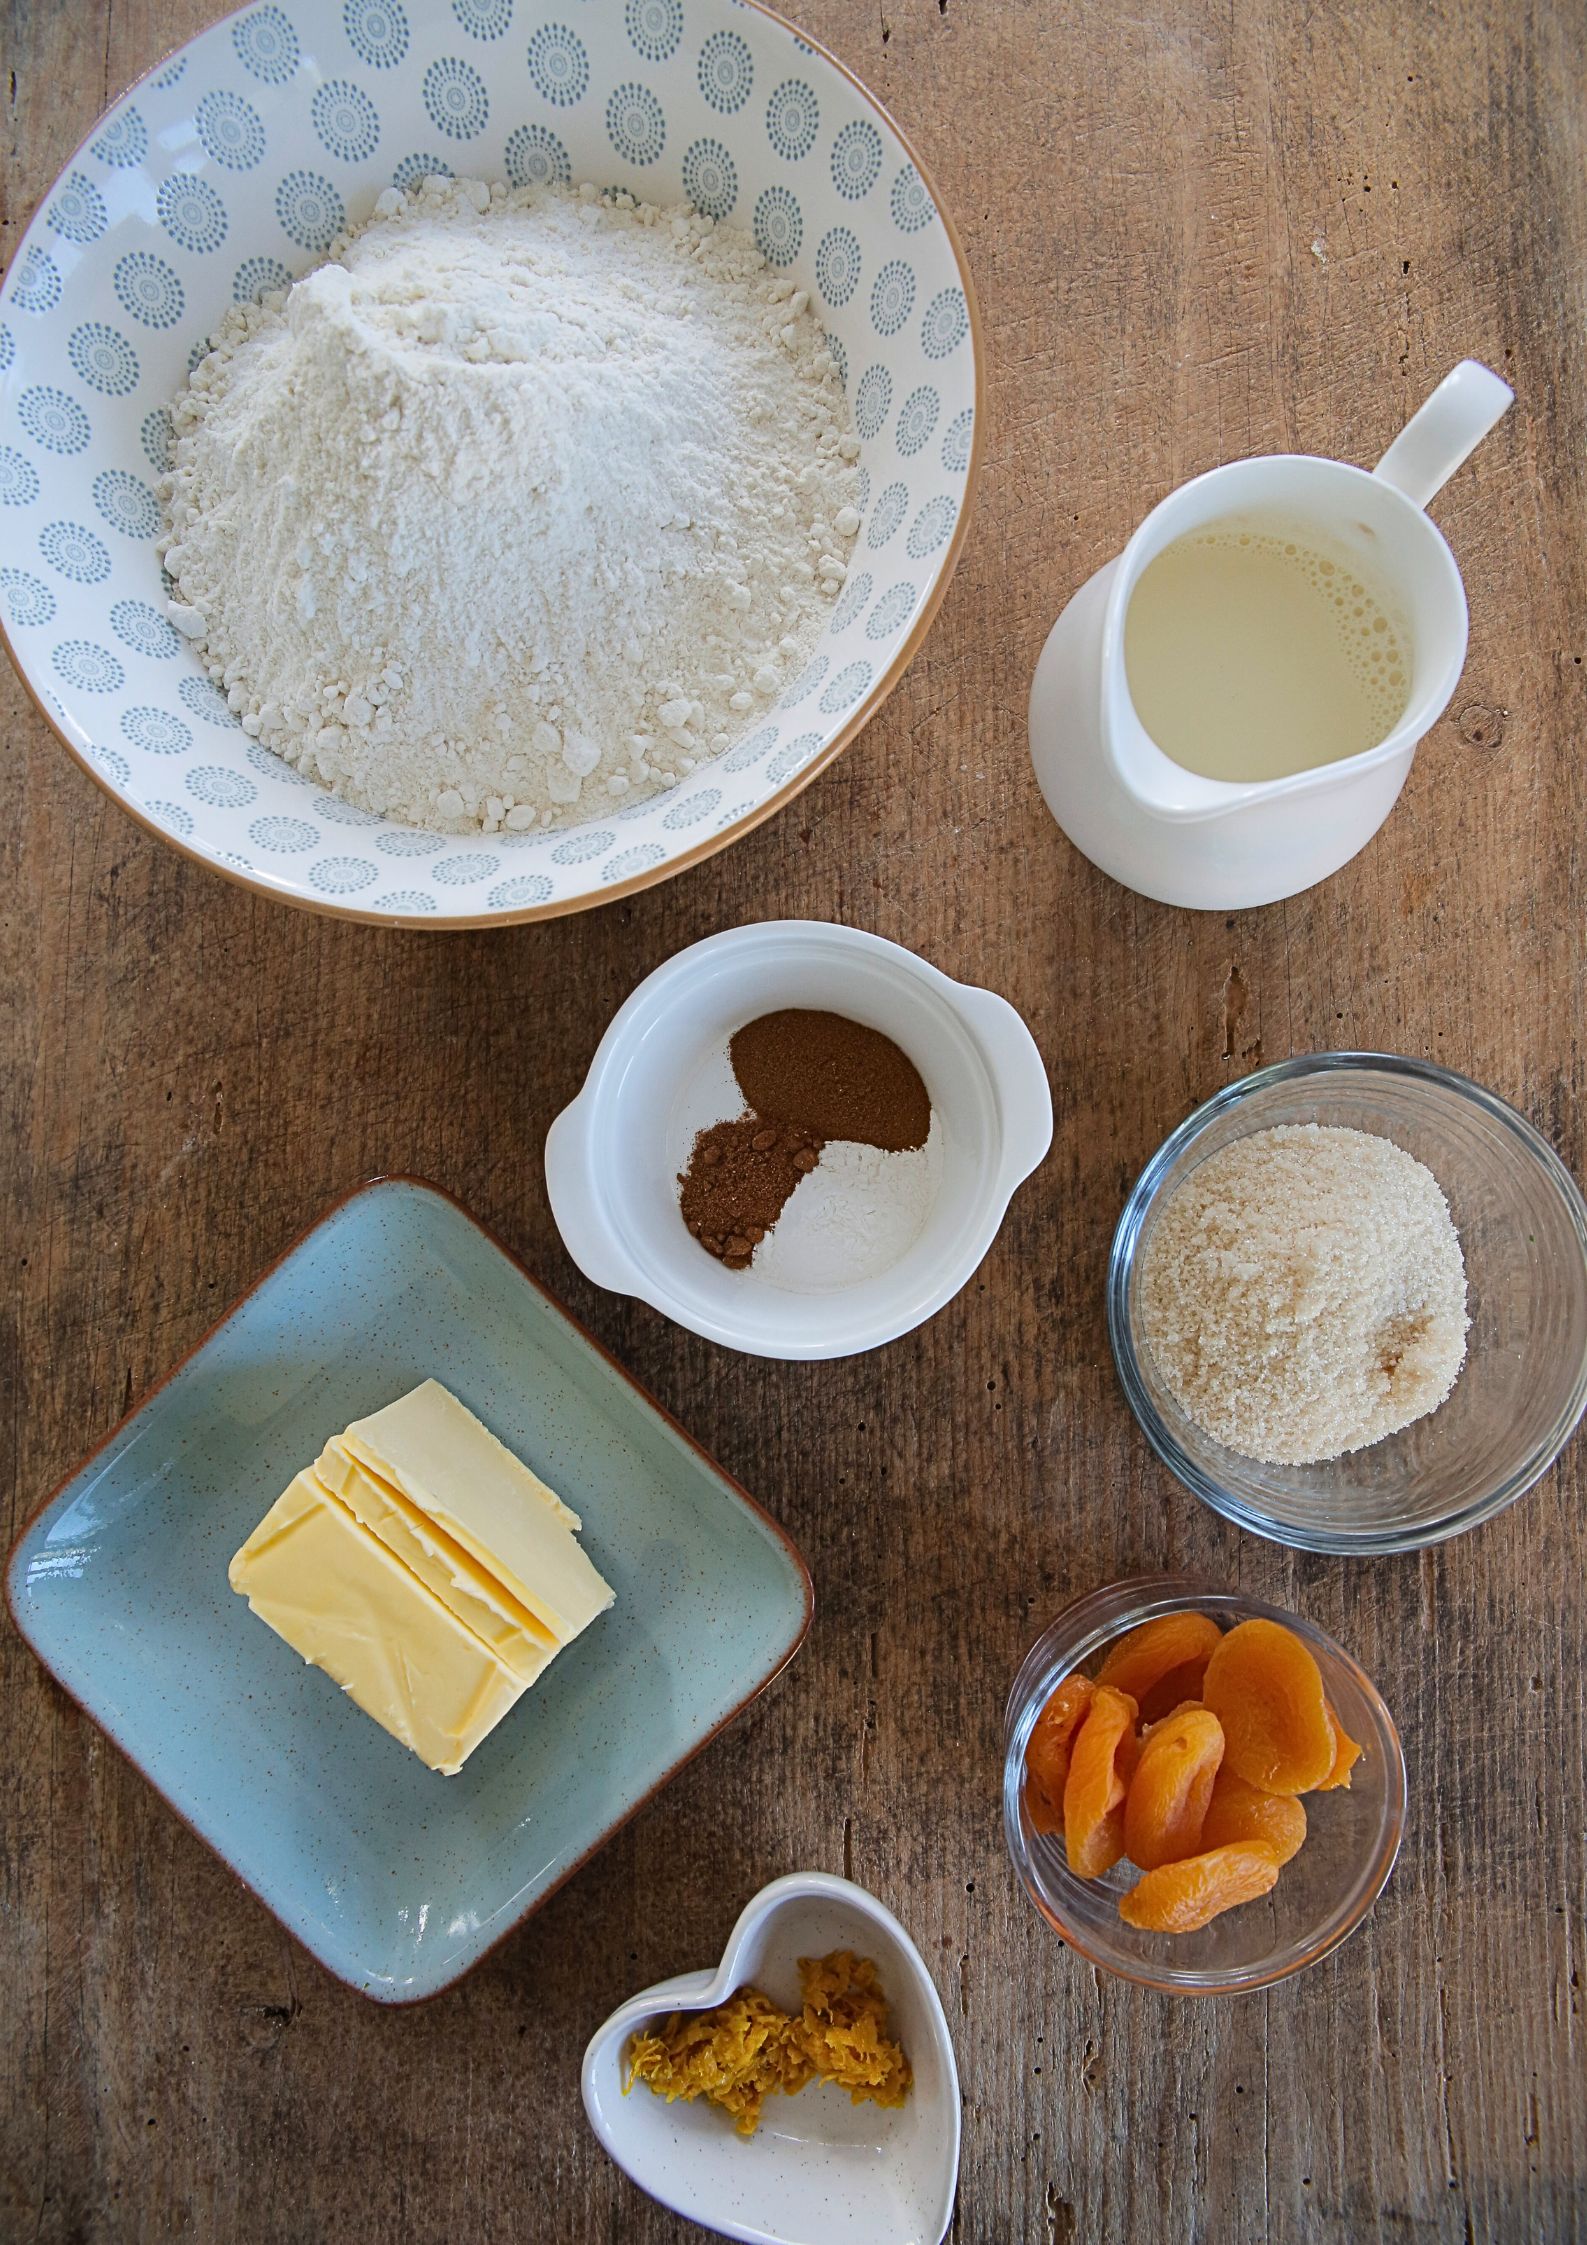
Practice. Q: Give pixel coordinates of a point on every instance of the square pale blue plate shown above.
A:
(396, 1879)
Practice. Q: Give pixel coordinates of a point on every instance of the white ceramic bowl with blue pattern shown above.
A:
(230, 168)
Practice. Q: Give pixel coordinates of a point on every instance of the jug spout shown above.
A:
(1153, 783)
(1157, 786)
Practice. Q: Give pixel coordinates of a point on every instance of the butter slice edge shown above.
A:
(431, 1447)
(344, 1603)
(474, 1595)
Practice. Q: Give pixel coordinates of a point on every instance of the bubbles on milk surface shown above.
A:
(1252, 654)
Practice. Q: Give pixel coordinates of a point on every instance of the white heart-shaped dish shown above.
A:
(820, 2170)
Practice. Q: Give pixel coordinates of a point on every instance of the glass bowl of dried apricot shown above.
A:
(1201, 1793)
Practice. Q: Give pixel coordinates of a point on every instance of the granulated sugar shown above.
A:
(519, 506)
(1303, 1293)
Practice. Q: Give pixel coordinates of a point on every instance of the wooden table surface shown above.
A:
(1199, 231)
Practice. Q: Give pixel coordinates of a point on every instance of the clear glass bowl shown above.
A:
(1323, 1893)
(1523, 1229)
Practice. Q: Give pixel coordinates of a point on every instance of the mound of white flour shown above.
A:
(524, 502)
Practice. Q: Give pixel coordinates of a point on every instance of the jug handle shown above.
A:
(1445, 431)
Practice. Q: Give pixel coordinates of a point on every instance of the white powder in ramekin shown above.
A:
(858, 1213)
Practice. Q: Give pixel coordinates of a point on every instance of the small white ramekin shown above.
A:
(613, 1156)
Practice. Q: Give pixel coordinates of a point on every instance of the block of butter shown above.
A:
(426, 1570)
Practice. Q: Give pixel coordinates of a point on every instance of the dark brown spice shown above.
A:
(831, 1078)
(736, 1183)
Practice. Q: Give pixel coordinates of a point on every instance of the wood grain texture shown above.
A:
(1199, 231)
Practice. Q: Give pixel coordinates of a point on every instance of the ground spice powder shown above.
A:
(806, 1076)
(739, 1176)
(832, 1076)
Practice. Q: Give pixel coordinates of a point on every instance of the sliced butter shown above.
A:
(339, 1597)
(471, 1487)
(474, 1595)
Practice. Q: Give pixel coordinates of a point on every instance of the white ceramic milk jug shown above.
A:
(1215, 844)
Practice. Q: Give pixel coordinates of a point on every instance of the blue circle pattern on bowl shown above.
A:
(778, 226)
(455, 98)
(537, 158)
(78, 210)
(636, 124)
(346, 120)
(655, 27)
(710, 179)
(793, 119)
(266, 44)
(28, 600)
(104, 360)
(191, 212)
(484, 19)
(559, 65)
(38, 283)
(423, 165)
(256, 277)
(155, 434)
(19, 479)
(75, 552)
(232, 168)
(123, 140)
(310, 211)
(377, 30)
(127, 503)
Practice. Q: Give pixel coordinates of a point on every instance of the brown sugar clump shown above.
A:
(738, 2053)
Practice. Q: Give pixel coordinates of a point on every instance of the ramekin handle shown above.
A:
(576, 1203)
(1020, 1074)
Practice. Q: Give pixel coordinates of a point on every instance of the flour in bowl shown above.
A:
(521, 505)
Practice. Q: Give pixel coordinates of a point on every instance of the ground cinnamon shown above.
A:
(831, 1076)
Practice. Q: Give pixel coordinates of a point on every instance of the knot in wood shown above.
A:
(1481, 726)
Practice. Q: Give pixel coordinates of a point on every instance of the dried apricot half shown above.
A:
(1101, 1763)
(1047, 1755)
(1346, 1754)
(1238, 1811)
(1172, 1784)
(1182, 1897)
(1181, 1687)
(1267, 1691)
(1143, 1657)
(1180, 1707)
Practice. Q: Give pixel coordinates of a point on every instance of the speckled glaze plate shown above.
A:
(230, 168)
(396, 1879)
